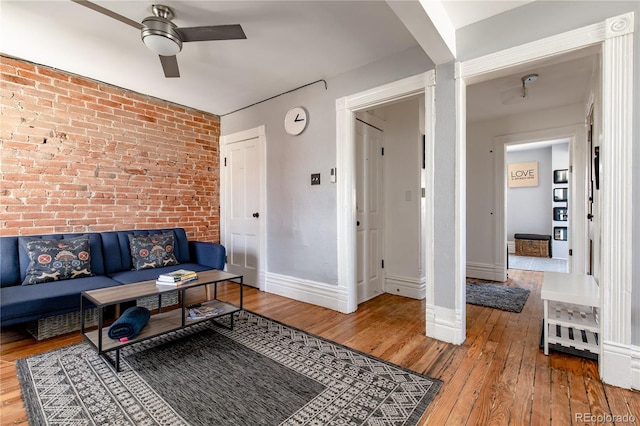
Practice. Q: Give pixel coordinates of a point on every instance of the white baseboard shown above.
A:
(317, 293)
(445, 324)
(414, 288)
(485, 271)
(620, 365)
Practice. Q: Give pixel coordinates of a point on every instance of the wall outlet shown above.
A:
(315, 179)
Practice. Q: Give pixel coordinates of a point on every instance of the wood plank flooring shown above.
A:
(497, 377)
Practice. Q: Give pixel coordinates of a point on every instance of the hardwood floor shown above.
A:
(498, 376)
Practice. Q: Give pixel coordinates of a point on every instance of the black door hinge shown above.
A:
(225, 161)
(382, 262)
(382, 151)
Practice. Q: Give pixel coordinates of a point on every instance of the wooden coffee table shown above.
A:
(159, 323)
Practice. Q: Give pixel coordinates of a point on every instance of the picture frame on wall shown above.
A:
(560, 194)
(560, 233)
(561, 176)
(560, 214)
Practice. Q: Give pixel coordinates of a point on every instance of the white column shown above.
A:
(616, 185)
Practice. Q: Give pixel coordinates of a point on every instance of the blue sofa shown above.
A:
(111, 265)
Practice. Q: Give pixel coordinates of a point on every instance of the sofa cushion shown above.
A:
(115, 245)
(128, 277)
(55, 260)
(25, 303)
(152, 251)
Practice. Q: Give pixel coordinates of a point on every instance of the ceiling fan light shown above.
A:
(161, 45)
(160, 35)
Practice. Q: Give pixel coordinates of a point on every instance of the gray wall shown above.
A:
(444, 217)
(301, 219)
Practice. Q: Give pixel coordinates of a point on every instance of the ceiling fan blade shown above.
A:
(214, 32)
(109, 13)
(170, 66)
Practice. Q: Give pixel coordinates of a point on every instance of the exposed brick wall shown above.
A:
(77, 155)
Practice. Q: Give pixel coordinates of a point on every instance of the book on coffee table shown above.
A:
(181, 275)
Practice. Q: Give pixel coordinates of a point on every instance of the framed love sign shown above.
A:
(523, 174)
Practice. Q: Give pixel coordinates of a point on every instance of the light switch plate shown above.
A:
(315, 179)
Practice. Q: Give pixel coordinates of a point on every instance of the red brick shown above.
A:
(34, 76)
(16, 63)
(103, 168)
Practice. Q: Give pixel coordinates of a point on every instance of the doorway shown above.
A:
(346, 108)
(616, 138)
(389, 176)
(537, 203)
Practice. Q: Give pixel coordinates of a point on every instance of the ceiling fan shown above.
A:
(165, 38)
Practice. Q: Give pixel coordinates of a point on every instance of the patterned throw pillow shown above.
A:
(54, 260)
(152, 251)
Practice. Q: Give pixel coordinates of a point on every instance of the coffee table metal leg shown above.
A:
(114, 363)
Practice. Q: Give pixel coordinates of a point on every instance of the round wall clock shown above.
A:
(295, 121)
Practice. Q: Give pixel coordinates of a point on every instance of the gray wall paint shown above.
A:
(444, 182)
(301, 219)
(528, 207)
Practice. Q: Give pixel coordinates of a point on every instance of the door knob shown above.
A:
(256, 214)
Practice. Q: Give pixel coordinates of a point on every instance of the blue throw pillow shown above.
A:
(54, 260)
(152, 251)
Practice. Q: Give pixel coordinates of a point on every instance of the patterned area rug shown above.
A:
(502, 297)
(260, 373)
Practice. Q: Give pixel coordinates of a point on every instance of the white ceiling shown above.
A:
(564, 80)
(289, 44)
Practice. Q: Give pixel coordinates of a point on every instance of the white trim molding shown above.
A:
(617, 364)
(412, 287)
(346, 108)
(446, 324)
(615, 36)
(617, 179)
(316, 293)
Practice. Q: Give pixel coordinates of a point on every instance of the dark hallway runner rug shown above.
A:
(261, 373)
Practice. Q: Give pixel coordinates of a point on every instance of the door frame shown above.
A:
(577, 137)
(619, 362)
(258, 133)
(346, 108)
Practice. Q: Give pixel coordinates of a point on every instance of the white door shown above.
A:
(243, 205)
(369, 211)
